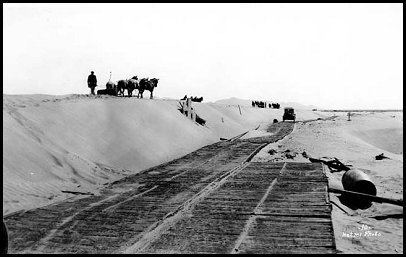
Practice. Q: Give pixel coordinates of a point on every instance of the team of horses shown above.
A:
(130, 85)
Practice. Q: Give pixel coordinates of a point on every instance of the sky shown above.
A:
(327, 55)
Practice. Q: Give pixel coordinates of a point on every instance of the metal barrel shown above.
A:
(357, 181)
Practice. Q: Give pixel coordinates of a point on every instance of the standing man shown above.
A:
(92, 82)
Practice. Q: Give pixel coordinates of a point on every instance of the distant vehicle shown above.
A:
(289, 114)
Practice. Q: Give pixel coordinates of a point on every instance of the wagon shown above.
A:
(111, 89)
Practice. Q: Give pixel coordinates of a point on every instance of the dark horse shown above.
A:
(129, 84)
(147, 84)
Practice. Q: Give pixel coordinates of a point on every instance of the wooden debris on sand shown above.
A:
(334, 165)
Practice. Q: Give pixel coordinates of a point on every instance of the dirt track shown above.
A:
(210, 201)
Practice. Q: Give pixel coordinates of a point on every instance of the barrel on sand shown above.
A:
(359, 191)
(355, 180)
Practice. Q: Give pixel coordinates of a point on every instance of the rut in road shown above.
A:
(132, 207)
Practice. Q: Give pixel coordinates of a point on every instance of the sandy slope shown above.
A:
(79, 143)
(356, 143)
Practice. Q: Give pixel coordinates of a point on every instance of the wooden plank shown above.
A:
(372, 198)
(290, 241)
(295, 217)
(287, 250)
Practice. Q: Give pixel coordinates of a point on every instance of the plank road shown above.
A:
(249, 222)
(128, 209)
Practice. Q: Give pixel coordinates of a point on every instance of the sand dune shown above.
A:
(79, 143)
(390, 139)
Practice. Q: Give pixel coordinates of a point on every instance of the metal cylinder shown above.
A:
(357, 181)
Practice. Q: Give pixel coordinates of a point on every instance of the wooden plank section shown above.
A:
(250, 214)
(212, 227)
(295, 217)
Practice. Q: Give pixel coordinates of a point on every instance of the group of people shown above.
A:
(194, 99)
(261, 104)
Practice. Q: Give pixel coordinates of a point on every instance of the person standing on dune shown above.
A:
(92, 82)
